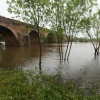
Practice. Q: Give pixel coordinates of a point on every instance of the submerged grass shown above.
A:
(14, 85)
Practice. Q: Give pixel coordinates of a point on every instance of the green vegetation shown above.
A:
(81, 39)
(14, 85)
(51, 38)
(1, 38)
(63, 17)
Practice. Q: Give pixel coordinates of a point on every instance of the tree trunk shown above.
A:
(70, 48)
(67, 49)
(40, 47)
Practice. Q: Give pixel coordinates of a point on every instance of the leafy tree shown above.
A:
(56, 9)
(91, 25)
(96, 31)
(74, 12)
(65, 17)
(32, 12)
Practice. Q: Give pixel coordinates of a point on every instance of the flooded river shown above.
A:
(82, 64)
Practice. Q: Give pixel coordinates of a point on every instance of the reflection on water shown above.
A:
(26, 56)
(81, 66)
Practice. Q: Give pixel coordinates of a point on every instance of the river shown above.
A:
(82, 64)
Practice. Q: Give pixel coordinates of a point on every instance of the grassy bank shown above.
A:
(14, 85)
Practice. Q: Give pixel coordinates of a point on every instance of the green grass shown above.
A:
(14, 85)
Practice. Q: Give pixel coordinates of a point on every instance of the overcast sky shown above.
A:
(3, 9)
(4, 6)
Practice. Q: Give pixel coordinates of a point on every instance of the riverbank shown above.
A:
(14, 85)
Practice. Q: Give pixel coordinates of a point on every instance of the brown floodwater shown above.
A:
(82, 65)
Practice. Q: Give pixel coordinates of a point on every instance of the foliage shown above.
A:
(45, 29)
(32, 12)
(65, 18)
(90, 25)
(76, 39)
(14, 85)
(1, 38)
(62, 16)
(51, 38)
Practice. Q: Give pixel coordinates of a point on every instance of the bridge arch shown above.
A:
(10, 38)
(33, 37)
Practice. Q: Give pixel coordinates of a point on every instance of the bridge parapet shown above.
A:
(11, 21)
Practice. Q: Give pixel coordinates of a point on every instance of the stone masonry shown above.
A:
(17, 33)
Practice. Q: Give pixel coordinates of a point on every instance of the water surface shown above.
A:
(82, 66)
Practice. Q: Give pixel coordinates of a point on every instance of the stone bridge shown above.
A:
(18, 33)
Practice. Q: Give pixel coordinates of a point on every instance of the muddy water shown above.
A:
(82, 66)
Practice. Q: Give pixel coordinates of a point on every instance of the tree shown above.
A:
(75, 11)
(96, 32)
(90, 25)
(32, 12)
(66, 15)
(87, 23)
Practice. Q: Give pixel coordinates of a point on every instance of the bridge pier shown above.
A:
(24, 39)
